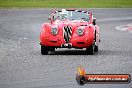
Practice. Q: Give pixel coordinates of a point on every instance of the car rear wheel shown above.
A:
(44, 50)
(96, 48)
(90, 50)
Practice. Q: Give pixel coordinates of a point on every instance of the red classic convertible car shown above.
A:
(70, 29)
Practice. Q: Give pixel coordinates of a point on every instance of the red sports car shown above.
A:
(70, 29)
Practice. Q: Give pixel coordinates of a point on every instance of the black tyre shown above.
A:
(90, 50)
(96, 48)
(44, 50)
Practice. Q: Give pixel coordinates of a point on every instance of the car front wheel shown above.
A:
(90, 50)
(44, 50)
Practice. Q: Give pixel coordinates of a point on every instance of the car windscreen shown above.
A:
(71, 15)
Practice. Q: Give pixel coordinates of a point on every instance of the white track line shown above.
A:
(127, 27)
(115, 19)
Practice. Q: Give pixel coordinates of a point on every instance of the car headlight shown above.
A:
(80, 31)
(54, 31)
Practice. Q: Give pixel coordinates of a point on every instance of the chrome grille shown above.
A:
(67, 33)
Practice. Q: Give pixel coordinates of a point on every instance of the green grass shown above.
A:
(66, 3)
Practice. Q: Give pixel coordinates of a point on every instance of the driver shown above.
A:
(64, 14)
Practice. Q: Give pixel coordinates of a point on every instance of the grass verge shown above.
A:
(66, 3)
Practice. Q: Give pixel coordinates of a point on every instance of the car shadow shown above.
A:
(83, 52)
(70, 52)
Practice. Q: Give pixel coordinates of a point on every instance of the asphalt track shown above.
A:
(22, 65)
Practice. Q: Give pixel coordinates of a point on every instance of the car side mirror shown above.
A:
(49, 18)
(94, 21)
